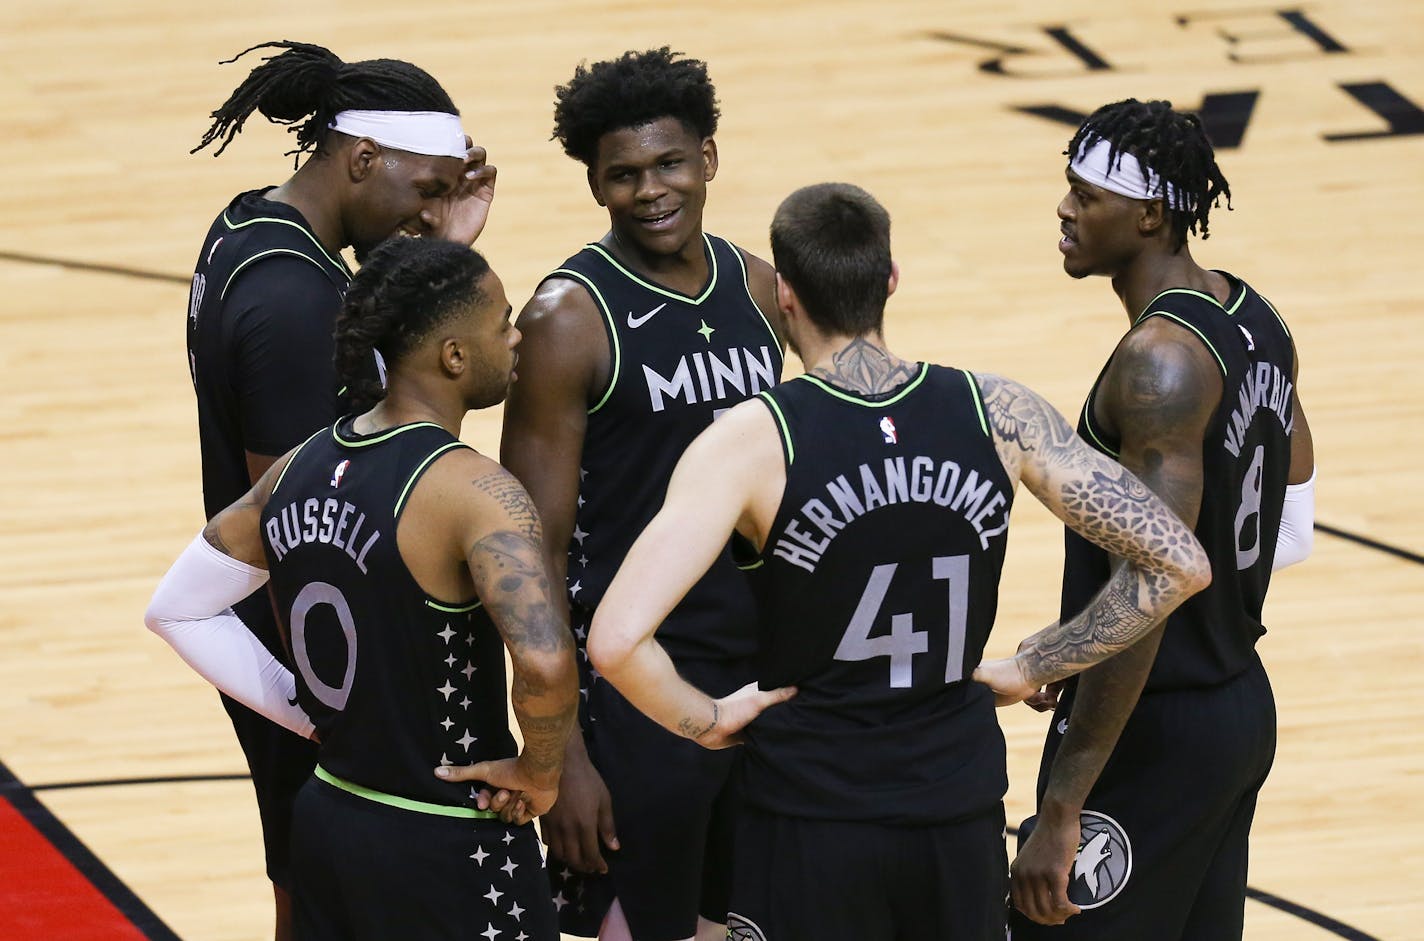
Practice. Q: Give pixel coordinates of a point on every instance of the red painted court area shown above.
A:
(44, 896)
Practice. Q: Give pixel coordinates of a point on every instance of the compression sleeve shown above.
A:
(1297, 535)
(191, 610)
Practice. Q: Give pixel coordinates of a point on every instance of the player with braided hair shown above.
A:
(1154, 759)
(385, 152)
(382, 535)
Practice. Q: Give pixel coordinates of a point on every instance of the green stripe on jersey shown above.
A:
(404, 803)
(867, 403)
(781, 421)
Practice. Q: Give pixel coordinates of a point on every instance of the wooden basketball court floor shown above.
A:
(952, 113)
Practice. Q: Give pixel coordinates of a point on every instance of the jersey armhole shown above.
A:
(788, 447)
(1187, 324)
(747, 286)
(418, 473)
(978, 402)
(291, 460)
(271, 252)
(609, 327)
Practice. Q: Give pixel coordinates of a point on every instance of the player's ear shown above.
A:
(362, 159)
(1153, 217)
(894, 277)
(593, 188)
(709, 159)
(454, 357)
(785, 295)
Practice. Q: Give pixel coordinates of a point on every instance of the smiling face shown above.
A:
(1100, 231)
(392, 189)
(653, 180)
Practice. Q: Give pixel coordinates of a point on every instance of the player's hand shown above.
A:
(467, 207)
(518, 796)
(736, 711)
(580, 824)
(1006, 678)
(1039, 875)
(1046, 699)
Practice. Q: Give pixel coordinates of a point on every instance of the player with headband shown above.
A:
(386, 153)
(1155, 758)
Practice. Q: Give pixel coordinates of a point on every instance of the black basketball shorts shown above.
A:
(365, 871)
(822, 880)
(1166, 827)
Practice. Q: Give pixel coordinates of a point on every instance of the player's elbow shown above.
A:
(609, 649)
(1196, 571)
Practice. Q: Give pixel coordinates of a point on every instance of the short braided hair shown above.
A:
(1174, 144)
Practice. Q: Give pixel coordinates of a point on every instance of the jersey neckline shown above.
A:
(881, 399)
(638, 279)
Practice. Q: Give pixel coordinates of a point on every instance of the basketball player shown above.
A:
(872, 498)
(382, 535)
(630, 349)
(387, 153)
(1154, 795)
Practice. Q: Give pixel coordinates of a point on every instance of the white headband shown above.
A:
(433, 133)
(1126, 175)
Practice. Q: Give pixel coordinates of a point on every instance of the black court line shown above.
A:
(1375, 544)
(118, 270)
(1319, 920)
(120, 782)
(100, 876)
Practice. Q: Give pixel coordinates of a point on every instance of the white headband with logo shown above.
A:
(433, 133)
(1125, 175)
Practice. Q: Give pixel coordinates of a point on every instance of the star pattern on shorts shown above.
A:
(509, 866)
(466, 740)
(490, 932)
(468, 671)
(579, 535)
(494, 895)
(446, 690)
(479, 855)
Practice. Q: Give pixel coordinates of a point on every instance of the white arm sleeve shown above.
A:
(1297, 535)
(191, 610)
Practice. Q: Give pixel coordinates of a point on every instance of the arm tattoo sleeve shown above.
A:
(509, 575)
(1108, 505)
(505, 490)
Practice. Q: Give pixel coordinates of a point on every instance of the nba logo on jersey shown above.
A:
(340, 472)
(1103, 863)
(887, 428)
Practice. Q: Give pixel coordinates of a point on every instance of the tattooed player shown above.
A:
(872, 499)
(1199, 399)
(383, 534)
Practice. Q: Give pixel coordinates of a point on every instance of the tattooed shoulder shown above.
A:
(1020, 417)
(501, 486)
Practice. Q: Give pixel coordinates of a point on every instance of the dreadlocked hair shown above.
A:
(630, 91)
(406, 290)
(311, 82)
(1173, 144)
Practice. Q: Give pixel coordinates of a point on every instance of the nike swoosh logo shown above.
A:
(636, 322)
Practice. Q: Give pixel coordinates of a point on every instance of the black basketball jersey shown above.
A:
(249, 236)
(396, 681)
(677, 362)
(250, 231)
(876, 590)
(1245, 461)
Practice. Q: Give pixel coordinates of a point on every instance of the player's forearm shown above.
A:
(1105, 698)
(544, 699)
(647, 678)
(1126, 608)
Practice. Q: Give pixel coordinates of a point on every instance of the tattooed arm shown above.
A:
(1108, 505)
(730, 477)
(1157, 396)
(503, 549)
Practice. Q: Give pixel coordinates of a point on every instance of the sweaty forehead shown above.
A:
(644, 142)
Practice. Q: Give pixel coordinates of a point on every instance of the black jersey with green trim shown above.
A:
(250, 232)
(677, 362)
(876, 591)
(1245, 462)
(396, 681)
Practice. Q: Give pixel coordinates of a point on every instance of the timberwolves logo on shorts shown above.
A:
(1103, 863)
(742, 929)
